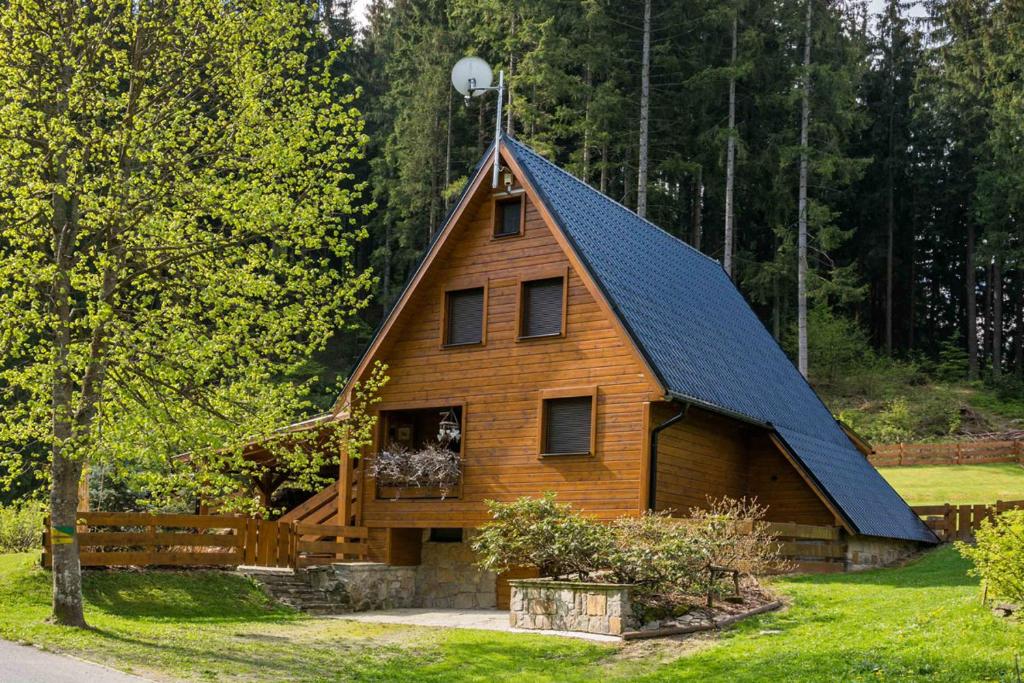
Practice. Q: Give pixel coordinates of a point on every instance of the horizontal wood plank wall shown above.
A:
(702, 455)
(775, 483)
(712, 455)
(500, 383)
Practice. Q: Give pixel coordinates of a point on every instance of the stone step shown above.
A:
(290, 584)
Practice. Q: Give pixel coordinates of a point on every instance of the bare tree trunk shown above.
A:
(1018, 359)
(776, 309)
(627, 182)
(448, 153)
(511, 72)
(697, 209)
(386, 284)
(971, 299)
(66, 469)
(604, 168)
(587, 79)
(801, 273)
(889, 255)
(912, 285)
(997, 318)
(482, 128)
(986, 337)
(890, 249)
(730, 158)
(645, 95)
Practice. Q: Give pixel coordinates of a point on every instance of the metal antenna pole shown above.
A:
(497, 129)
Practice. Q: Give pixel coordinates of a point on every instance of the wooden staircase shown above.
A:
(325, 507)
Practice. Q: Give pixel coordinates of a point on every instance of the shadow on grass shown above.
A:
(934, 568)
(199, 596)
(455, 655)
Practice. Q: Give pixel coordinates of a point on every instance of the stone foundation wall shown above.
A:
(869, 552)
(571, 606)
(362, 586)
(447, 578)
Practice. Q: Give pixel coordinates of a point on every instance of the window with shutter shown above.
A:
(542, 302)
(508, 217)
(568, 425)
(464, 317)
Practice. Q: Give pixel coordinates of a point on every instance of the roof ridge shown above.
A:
(509, 138)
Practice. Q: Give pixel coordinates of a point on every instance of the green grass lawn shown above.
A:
(928, 485)
(921, 622)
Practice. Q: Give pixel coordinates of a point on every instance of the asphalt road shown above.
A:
(25, 664)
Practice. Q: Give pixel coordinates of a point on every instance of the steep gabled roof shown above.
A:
(707, 346)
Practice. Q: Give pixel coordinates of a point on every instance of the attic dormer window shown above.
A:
(509, 215)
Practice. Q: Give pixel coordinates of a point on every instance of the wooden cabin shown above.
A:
(582, 350)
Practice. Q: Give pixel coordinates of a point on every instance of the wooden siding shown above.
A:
(499, 383)
(702, 455)
(777, 484)
(710, 455)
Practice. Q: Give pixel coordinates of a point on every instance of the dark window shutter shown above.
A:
(567, 425)
(542, 307)
(509, 217)
(465, 316)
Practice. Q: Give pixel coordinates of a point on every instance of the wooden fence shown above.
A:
(130, 539)
(959, 522)
(810, 549)
(948, 453)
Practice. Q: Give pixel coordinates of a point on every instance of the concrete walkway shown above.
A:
(26, 664)
(483, 619)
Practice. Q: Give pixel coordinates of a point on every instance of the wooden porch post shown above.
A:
(345, 489)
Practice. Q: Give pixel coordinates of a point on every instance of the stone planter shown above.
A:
(606, 608)
(547, 604)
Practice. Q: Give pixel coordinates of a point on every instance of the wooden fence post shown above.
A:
(949, 523)
(249, 542)
(900, 454)
(959, 453)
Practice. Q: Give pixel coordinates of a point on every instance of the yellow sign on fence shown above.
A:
(62, 535)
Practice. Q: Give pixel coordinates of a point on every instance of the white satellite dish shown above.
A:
(471, 76)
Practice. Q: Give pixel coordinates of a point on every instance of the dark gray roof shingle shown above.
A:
(707, 345)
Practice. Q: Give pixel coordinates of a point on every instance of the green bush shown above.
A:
(729, 536)
(998, 554)
(670, 561)
(953, 361)
(895, 423)
(653, 549)
(542, 533)
(21, 527)
(658, 555)
(843, 363)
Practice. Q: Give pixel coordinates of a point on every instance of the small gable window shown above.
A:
(464, 317)
(509, 216)
(542, 308)
(567, 426)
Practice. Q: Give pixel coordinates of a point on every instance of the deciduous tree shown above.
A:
(177, 221)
